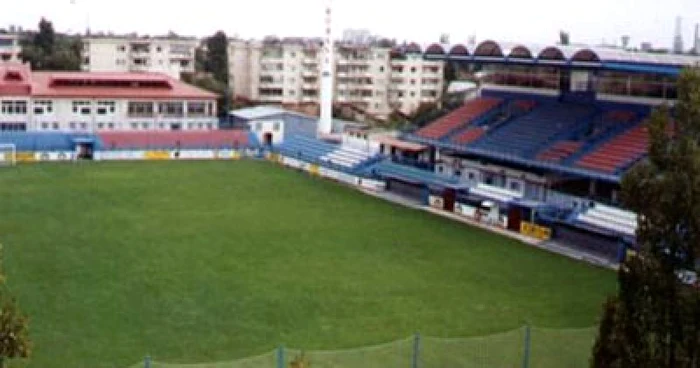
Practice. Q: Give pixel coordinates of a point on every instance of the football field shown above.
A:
(211, 261)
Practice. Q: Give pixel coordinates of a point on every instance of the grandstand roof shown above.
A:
(401, 144)
(269, 111)
(575, 55)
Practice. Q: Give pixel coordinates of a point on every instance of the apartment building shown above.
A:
(375, 80)
(100, 101)
(10, 48)
(169, 55)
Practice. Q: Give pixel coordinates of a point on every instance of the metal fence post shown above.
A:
(526, 351)
(416, 351)
(147, 361)
(280, 356)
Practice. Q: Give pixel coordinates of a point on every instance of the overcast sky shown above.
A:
(533, 21)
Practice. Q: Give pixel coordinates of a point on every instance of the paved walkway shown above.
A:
(551, 246)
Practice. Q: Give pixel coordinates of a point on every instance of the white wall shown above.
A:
(263, 126)
(62, 118)
(105, 56)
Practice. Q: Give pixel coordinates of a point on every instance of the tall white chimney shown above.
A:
(325, 122)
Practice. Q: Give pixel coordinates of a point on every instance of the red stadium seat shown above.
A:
(459, 118)
(210, 139)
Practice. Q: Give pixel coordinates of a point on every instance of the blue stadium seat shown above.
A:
(524, 135)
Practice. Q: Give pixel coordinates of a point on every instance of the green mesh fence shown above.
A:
(501, 350)
(394, 354)
(522, 348)
(561, 348)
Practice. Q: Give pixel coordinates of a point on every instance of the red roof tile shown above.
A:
(18, 79)
(45, 84)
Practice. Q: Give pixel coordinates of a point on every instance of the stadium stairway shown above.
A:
(609, 219)
(471, 113)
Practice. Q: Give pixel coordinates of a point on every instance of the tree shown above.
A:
(564, 38)
(217, 57)
(14, 331)
(654, 321)
(46, 38)
(46, 50)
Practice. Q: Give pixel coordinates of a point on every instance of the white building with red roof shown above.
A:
(93, 102)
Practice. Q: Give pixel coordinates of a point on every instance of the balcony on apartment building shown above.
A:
(140, 48)
(310, 83)
(427, 70)
(272, 55)
(268, 80)
(139, 64)
(309, 72)
(309, 60)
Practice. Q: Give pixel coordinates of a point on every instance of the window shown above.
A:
(381, 69)
(14, 107)
(13, 127)
(171, 109)
(413, 69)
(106, 107)
(72, 126)
(110, 126)
(291, 92)
(413, 94)
(515, 186)
(43, 107)
(471, 176)
(100, 125)
(81, 108)
(55, 126)
(161, 126)
(83, 126)
(413, 81)
(159, 49)
(144, 126)
(276, 126)
(121, 48)
(45, 126)
(458, 173)
(134, 126)
(200, 126)
(140, 108)
(258, 127)
(197, 108)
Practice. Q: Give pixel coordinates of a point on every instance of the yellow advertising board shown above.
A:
(26, 157)
(314, 169)
(157, 155)
(535, 231)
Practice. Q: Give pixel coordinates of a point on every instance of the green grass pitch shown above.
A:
(210, 261)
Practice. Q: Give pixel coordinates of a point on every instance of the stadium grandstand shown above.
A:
(539, 150)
